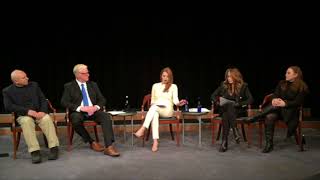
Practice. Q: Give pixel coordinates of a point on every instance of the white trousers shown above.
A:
(153, 116)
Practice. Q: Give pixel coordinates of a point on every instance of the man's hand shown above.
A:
(36, 115)
(40, 115)
(32, 113)
(89, 109)
(84, 108)
(92, 110)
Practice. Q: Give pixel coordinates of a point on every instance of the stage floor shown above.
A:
(188, 161)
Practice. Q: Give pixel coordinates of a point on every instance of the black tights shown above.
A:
(292, 124)
(229, 116)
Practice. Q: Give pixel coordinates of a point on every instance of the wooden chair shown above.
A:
(247, 137)
(281, 124)
(17, 130)
(146, 103)
(86, 123)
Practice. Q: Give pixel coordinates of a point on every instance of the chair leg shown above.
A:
(243, 133)
(148, 134)
(296, 137)
(212, 130)
(72, 133)
(18, 140)
(143, 139)
(14, 135)
(69, 129)
(96, 133)
(219, 132)
(249, 134)
(177, 133)
(171, 132)
(260, 135)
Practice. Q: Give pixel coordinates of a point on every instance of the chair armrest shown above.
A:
(67, 116)
(300, 114)
(51, 107)
(13, 125)
(142, 112)
(54, 118)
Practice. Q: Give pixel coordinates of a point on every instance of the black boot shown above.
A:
(236, 134)
(36, 157)
(269, 130)
(261, 115)
(54, 153)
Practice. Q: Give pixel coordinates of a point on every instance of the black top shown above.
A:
(244, 97)
(21, 99)
(293, 98)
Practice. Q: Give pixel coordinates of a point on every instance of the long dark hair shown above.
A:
(236, 76)
(298, 84)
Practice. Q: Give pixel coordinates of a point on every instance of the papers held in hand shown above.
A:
(224, 101)
(161, 103)
(115, 112)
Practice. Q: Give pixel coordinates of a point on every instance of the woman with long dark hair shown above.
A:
(233, 96)
(286, 100)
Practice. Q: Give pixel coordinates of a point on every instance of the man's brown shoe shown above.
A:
(96, 146)
(111, 151)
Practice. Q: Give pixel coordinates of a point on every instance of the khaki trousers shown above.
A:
(27, 124)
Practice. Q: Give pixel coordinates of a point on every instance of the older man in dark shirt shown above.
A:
(27, 101)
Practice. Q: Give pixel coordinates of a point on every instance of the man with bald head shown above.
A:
(84, 100)
(30, 106)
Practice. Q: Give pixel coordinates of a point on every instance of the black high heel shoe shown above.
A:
(236, 135)
(224, 146)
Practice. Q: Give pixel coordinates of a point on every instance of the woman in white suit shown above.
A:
(164, 96)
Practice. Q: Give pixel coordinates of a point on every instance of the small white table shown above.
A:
(198, 117)
(124, 115)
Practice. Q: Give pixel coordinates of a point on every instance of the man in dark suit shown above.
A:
(27, 101)
(84, 100)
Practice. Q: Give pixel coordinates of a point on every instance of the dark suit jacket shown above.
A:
(72, 96)
(21, 99)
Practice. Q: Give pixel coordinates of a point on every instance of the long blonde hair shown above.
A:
(170, 77)
(236, 76)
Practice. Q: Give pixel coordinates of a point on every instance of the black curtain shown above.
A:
(125, 56)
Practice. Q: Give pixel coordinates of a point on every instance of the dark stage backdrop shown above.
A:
(125, 56)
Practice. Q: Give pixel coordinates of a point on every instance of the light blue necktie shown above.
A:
(84, 96)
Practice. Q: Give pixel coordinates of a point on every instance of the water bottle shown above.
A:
(199, 105)
(126, 104)
(186, 106)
